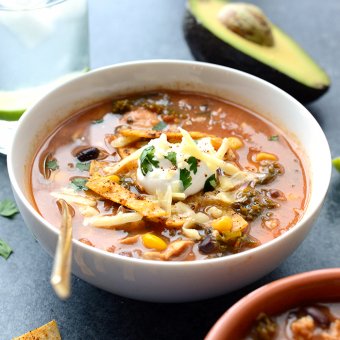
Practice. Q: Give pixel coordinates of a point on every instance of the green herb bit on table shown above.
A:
(5, 249)
(8, 208)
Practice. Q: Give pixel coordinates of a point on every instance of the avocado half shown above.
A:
(285, 64)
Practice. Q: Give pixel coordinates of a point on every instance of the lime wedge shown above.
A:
(336, 163)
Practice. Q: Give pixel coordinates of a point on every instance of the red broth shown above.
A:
(96, 126)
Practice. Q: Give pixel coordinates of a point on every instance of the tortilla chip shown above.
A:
(116, 193)
(47, 332)
(96, 166)
(151, 134)
(126, 151)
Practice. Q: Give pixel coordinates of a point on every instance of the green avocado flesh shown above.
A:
(285, 56)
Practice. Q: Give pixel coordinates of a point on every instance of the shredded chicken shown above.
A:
(175, 249)
(303, 328)
(141, 118)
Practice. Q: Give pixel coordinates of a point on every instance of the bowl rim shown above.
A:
(275, 288)
(166, 62)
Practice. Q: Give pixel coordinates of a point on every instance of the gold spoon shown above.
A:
(61, 272)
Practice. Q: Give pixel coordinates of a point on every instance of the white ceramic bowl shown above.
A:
(170, 281)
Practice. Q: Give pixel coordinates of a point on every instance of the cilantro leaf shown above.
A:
(195, 141)
(193, 164)
(210, 184)
(146, 160)
(8, 208)
(273, 138)
(97, 121)
(52, 164)
(79, 184)
(5, 249)
(160, 126)
(172, 157)
(83, 166)
(184, 176)
(121, 179)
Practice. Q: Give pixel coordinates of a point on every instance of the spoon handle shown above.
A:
(61, 272)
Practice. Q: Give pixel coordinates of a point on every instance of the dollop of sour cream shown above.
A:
(167, 174)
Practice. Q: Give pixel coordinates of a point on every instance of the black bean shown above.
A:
(206, 245)
(320, 317)
(88, 154)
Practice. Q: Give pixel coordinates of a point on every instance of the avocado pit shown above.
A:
(248, 21)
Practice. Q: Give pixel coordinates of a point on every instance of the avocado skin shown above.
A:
(205, 46)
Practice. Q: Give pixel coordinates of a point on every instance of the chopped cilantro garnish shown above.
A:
(336, 163)
(97, 121)
(5, 249)
(184, 176)
(52, 164)
(210, 184)
(293, 185)
(193, 164)
(121, 179)
(83, 166)
(195, 141)
(160, 126)
(8, 208)
(79, 184)
(146, 160)
(273, 138)
(172, 157)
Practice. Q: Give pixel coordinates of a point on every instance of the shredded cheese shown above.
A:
(75, 199)
(223, 149)
(113, 169)
(109, 221)
(211, 160)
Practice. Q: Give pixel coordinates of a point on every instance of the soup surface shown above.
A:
(171, 176)
(308, 322)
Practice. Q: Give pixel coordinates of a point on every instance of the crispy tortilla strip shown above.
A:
(126, 151)
(47, 332)
(116, 193)
(151, 134)
(96, 166)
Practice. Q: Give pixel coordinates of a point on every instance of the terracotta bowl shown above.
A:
(278, 296)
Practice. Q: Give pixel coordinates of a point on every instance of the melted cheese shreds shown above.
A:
(191, 148)
(115, 168)
(223, 149)
(123, 141)
(75, 199)
(120, 218)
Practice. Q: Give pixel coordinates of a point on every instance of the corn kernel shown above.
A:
(234, 143)
(264, 155)
(154, 242)
(224, 223)
(293, 197)
(113, 178)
